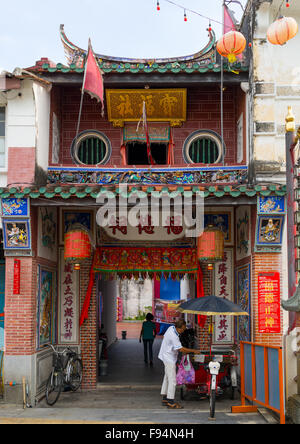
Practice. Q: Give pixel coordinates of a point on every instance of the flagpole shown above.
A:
(82, 94)
(222, 85)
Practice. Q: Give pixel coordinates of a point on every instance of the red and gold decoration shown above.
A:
(282, 30)
(269, 320)
(77, 245)
(130, 262)
(231, 44)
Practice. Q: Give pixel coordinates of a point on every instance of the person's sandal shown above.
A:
(175, 405)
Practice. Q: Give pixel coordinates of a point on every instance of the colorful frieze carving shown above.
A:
(15, 207)
(16, 234)
(243, 232)
(243, 296)
(175, 177)
(47, 233)
(15, 214)
(271, 205)
(269, 233)
(271, 212)
(47, 306)
(135, 260)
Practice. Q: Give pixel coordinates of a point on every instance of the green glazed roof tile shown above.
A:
(80, 194)
(34, 194)
(65, 195)
(265, 193)
(235, 193)
(49, 195)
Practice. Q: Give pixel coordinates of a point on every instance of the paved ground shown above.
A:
(129, 394)
(126, 406)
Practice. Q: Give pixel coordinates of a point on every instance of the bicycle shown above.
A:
(66, 372)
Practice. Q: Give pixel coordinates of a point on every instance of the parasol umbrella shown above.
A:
(212, 306)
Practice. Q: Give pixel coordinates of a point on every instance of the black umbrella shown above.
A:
(211, 306)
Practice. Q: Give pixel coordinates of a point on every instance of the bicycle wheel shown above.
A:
(212, 403)
(54, 387)
(75, 374)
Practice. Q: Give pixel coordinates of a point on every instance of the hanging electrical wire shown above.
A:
(191, 11)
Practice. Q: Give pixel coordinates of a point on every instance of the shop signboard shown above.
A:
(269, 302)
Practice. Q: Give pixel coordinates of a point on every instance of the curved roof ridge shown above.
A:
(76, 55)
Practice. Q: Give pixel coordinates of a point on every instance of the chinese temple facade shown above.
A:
(199, 130)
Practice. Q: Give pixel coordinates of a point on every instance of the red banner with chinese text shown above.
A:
(154, 259)
(269, 302)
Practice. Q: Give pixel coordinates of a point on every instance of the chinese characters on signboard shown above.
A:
(68, 303)
(223, 331)
(269, 302)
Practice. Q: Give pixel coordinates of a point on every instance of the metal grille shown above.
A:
(203, 150)
(92, 151)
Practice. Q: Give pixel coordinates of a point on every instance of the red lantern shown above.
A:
(282, 30)
(211, 245)
(231, 44)
(77, 245)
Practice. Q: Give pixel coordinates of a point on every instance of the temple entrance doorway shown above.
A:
(122, 307)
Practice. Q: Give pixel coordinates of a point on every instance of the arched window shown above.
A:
(203, 147)
(91, 148)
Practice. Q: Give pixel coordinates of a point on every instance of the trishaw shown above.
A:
(215, 374)
(215, 370)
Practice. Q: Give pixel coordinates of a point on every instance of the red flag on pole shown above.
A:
(93, 81)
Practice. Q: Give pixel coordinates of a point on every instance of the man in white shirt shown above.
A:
(168, 353)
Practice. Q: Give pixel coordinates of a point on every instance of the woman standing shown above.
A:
(148, 334)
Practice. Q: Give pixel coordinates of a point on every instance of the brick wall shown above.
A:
(88, 331)
(20, 310)
(21, 165)
(203, 112)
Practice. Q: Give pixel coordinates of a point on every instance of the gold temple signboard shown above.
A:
(162, 105)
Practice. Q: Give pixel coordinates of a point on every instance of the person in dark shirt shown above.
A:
(148, 334)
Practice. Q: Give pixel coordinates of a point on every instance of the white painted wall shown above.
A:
(110, 292)
(27, 121)
(42, 105)
(279, 66)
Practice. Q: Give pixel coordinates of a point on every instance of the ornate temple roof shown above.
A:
(202, 61)
(76, 55)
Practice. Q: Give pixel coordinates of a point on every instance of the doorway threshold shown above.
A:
(142, 386)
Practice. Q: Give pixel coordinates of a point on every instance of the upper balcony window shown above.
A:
(2, 137)
(91, 148)
(137, 153)
(203, 147)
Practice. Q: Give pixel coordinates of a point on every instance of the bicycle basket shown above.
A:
(57, 362)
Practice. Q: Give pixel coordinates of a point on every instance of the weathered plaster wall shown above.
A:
(276, 84)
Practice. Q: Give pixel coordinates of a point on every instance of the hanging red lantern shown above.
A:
(77, 245)
(210, 246)
(231, 44)
(282, 30)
